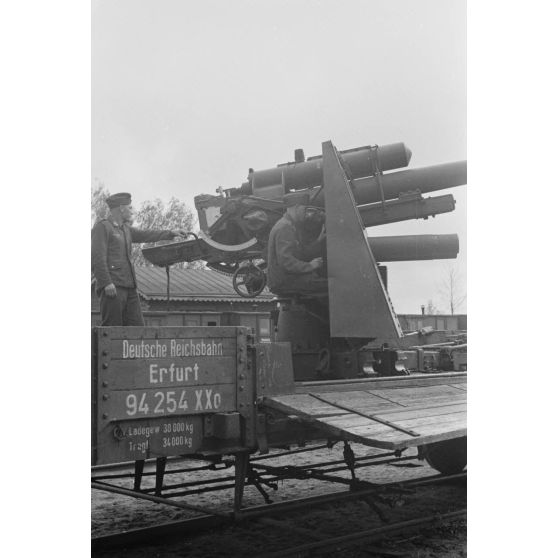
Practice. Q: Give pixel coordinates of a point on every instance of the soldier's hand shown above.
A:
(110, 290)
(316, 263)
(180, 232)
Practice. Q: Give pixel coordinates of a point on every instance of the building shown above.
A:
(438, 322)
(197, 297)
(203, 297)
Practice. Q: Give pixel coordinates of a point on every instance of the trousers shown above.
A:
(122, 310)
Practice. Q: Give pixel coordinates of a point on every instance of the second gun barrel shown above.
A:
(414, 247)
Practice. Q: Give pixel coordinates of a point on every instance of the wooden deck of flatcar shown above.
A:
(391, 413)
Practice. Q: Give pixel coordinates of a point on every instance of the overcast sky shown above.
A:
(186, 96)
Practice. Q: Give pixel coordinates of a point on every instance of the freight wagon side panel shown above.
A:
(168, 391)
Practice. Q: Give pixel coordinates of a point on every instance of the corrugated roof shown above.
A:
(189, 284)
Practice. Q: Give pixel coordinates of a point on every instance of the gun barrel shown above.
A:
(425, 179)
(414, 247)
(360, 162)
(412, 206)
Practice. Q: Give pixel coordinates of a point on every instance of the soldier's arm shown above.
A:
(285, 243)
(99, 246)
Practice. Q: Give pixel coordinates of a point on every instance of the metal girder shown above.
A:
(352, 268)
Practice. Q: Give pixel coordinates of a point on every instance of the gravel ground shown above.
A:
(114, 513)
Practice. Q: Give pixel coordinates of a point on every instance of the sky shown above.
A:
(187, 95)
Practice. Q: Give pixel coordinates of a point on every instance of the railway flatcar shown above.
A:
(339, 369)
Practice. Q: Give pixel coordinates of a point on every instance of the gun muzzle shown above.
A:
(414, 247)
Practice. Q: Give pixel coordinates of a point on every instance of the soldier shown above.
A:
(111, 250)
(293, 264)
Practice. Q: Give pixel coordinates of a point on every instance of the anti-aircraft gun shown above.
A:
(331, 335)
(208, 392)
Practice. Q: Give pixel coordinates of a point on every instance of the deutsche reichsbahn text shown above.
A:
(170, 348)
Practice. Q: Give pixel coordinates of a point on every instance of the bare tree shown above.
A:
(154, 214)
(431, 308)
(452, 290)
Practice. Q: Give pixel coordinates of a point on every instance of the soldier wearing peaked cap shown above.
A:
(292, 262)
(111, 252)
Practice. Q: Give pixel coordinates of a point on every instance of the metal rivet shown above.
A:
(240, 388)
(105, 397)
(105, 384)
(105, 353)
(241, 376)
(105, 416)
(105, 365)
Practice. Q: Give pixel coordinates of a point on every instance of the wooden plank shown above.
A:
(459, 386)
(329, 411)
(373, 417)
(275, 403)
(357, 400)
(387, 399)
(370, 406)
(425, 426)
(397, 440)
(435, 411)
(417, 425)
(420, 398)
(306, 404)
(414, 380)
(168, 332)
(349, 421)
(340, 420)
(396, 443)
(420, 406)
(420, 423)
(445, 431)
(436, 414)
(433, 401)
(332, 415)
(411, 409)
(422, 392)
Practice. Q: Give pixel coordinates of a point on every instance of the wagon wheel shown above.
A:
(249, 280)
(449, 457)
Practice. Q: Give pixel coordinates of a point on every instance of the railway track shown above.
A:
(297, 527)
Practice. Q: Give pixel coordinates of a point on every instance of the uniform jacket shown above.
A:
(111, 252)
(287, 256)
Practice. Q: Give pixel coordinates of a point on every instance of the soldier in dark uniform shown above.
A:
(111, 251)
(293, 262)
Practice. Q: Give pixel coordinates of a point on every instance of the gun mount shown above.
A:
(351, 191)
